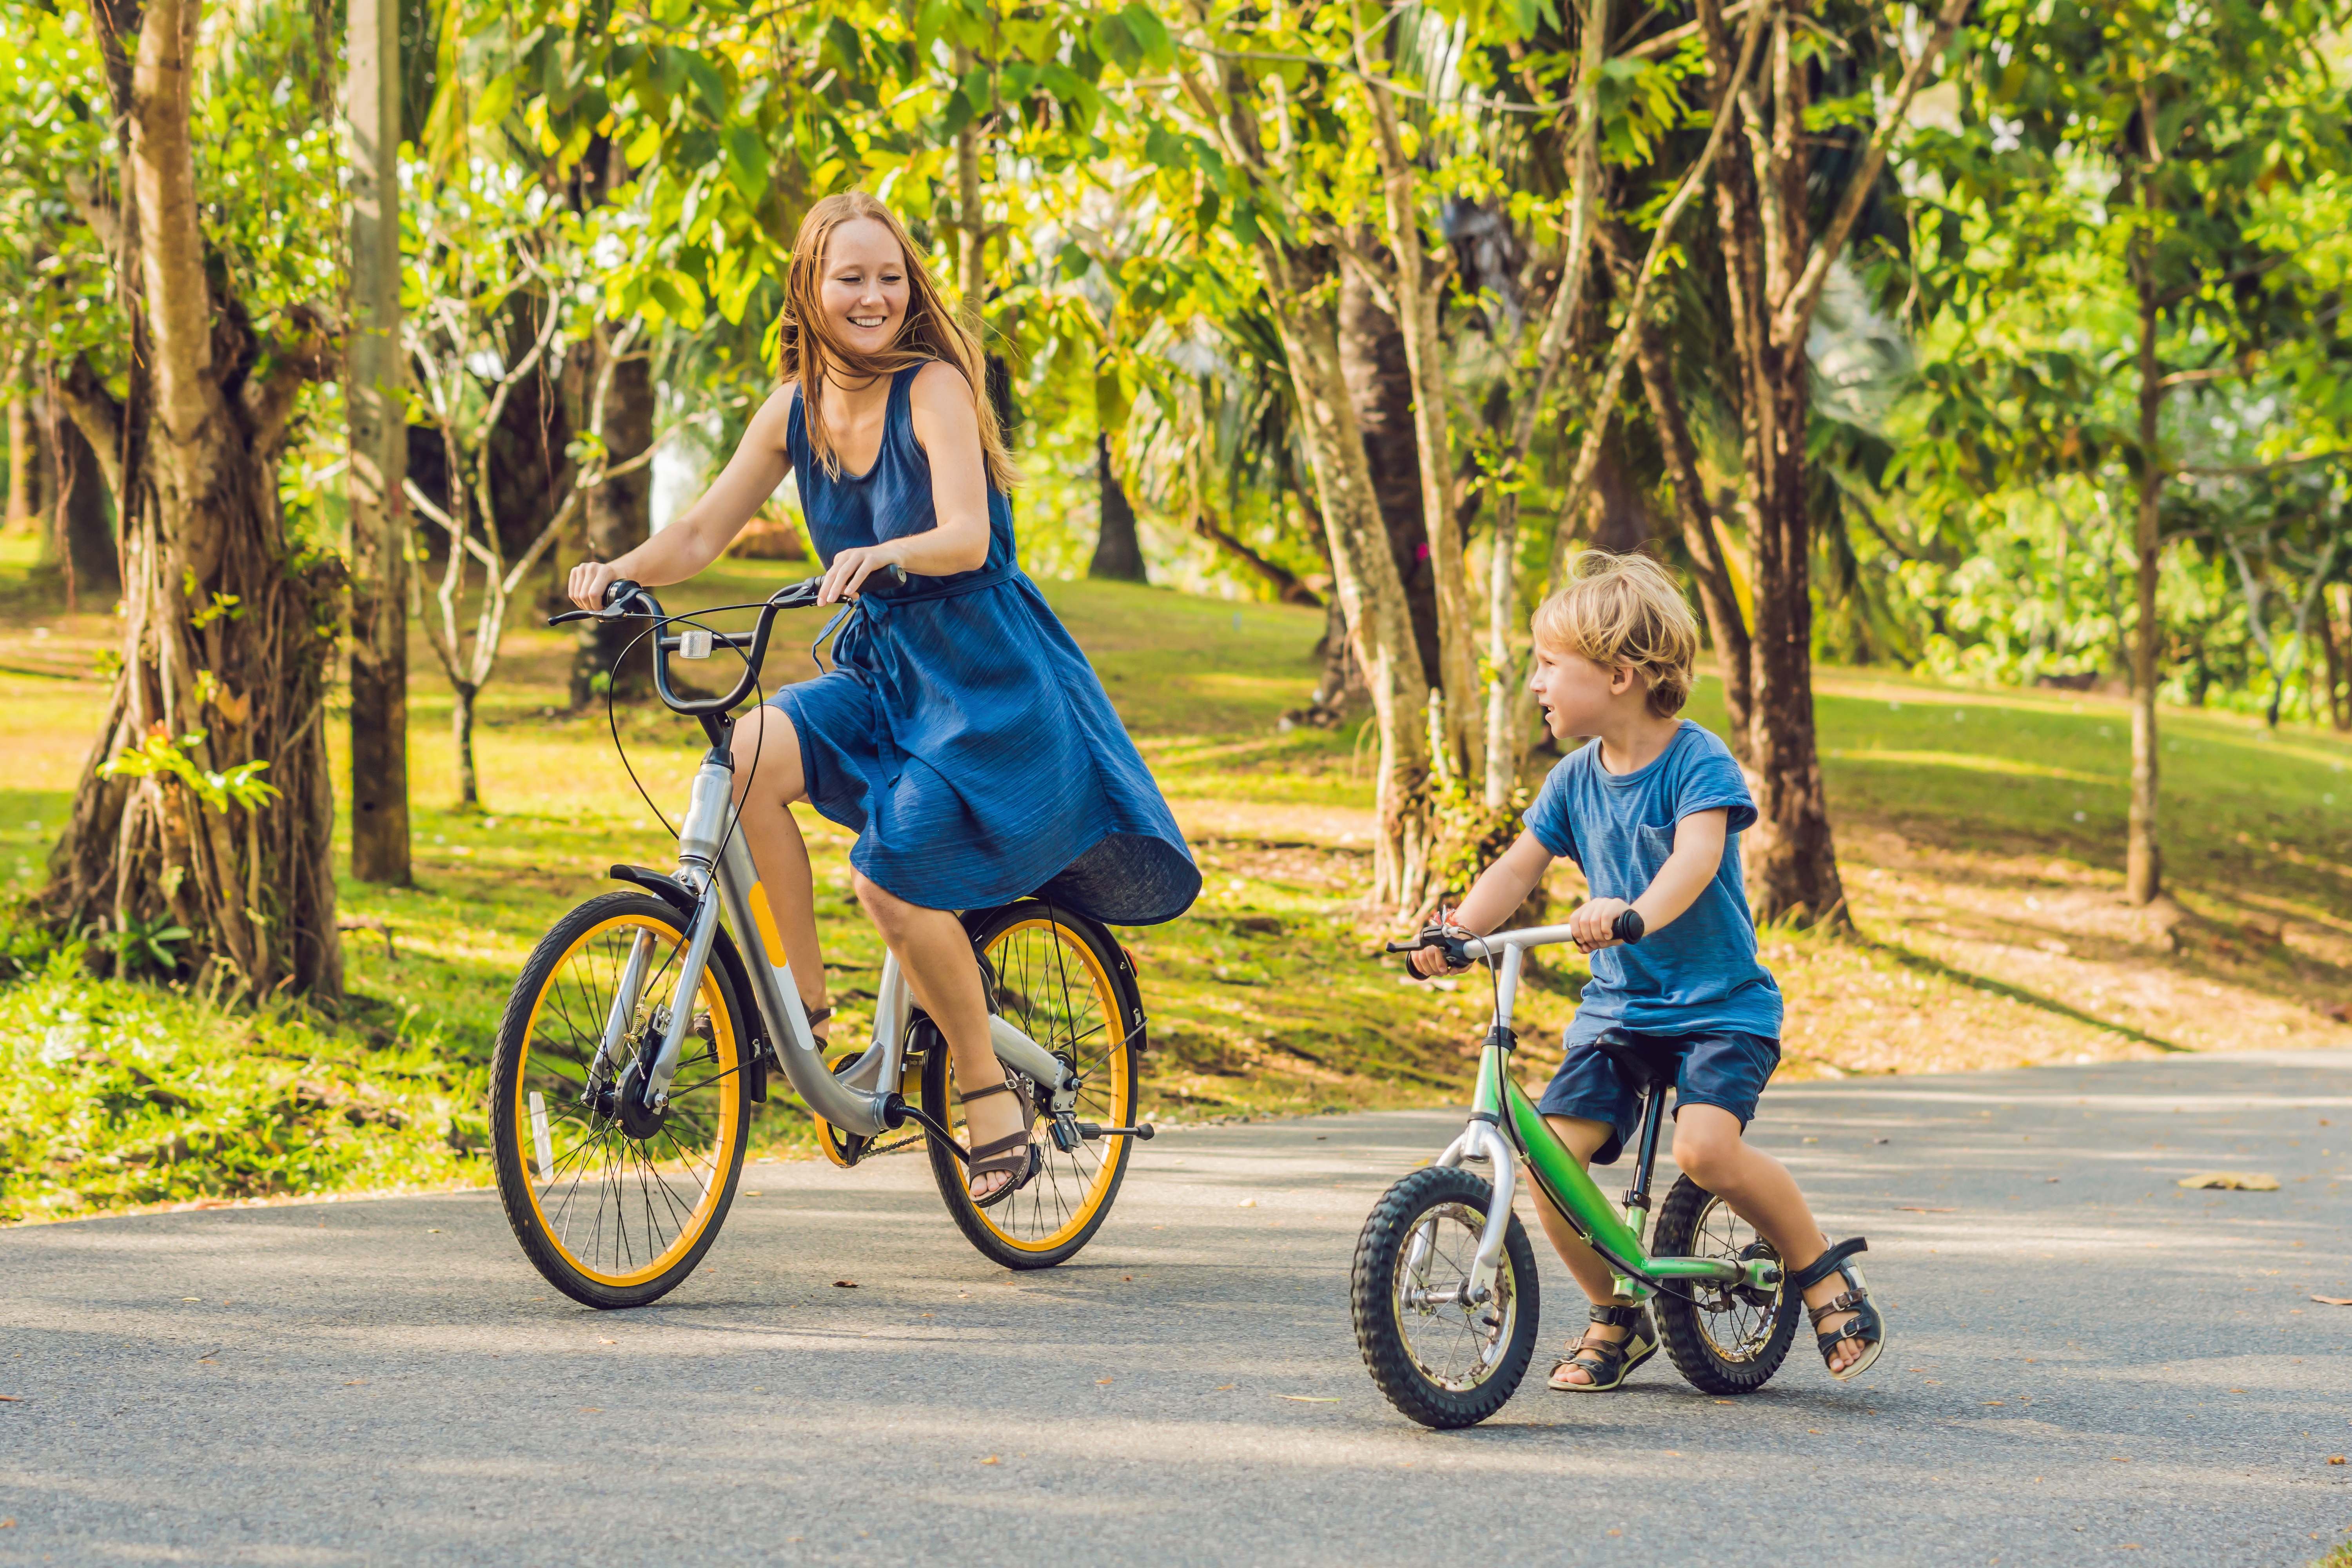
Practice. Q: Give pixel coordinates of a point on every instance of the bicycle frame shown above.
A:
(715, 866)
(1505, 1129)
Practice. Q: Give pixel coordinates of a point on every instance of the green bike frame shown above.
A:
(1506, 1129)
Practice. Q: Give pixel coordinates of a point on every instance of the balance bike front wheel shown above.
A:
(1442, 1362)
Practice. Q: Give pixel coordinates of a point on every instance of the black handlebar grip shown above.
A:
(617, 592)
(1628, 928)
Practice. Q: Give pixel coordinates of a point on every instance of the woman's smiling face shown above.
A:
(865, 289)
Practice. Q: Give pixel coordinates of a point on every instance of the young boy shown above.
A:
(1652, 811)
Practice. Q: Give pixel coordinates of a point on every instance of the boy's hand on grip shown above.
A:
(1590, 925)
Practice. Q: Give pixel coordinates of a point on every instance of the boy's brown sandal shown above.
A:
(1608, 1362)
(1014, 1153)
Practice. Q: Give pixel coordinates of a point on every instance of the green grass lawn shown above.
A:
(1980, 834)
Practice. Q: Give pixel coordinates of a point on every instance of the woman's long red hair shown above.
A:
(810, 353)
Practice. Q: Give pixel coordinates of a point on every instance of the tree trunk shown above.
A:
(461, 731)
(79, 541)
(1380, 387)
(1118, 549)
(1762, 189)
(1370, 588)
(2143, 854)
(374, 372)
(2333, 629)
(620, 517)
(207, 801)
(1725, 626)
(22, 446)
(1794, 870)
(1417, 283)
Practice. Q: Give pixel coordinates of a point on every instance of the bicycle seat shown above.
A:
(1646, 1064)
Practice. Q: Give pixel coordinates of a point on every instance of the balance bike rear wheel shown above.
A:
(1723, 1339)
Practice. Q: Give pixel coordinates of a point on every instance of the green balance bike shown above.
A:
(1445, 1290)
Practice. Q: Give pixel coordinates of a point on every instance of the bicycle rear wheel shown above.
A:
(1062, 982)
(613, 1207)
(1723, 1339)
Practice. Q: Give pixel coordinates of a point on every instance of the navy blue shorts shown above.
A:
(1726, 1069)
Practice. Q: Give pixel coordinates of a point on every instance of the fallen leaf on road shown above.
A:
(356, 1383)
(2232, 1182)
(592, 1410)
(192, 1298)
(2334, 1300)
(2335, 1458)
(1247, 1203)
(1225, 1388)
(992, 1460)
(7, 1524)
(1812, 1431)
(1100, 1380)
(604, 1342)
(12, 1399)
(845, 1284)
(2118, 1458)
(1907, 1208)
(1310, 1398)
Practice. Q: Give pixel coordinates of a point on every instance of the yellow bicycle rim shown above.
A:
(620, 1211)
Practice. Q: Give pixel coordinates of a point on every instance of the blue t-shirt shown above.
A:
(1700, 973)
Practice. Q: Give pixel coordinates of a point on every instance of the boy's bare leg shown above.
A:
(1710, 1151)
(1594, 1276)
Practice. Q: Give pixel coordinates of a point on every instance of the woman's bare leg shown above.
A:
(935, 954)
(768, 779)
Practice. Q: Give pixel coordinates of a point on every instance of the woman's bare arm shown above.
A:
(697, 535)
(947, 424)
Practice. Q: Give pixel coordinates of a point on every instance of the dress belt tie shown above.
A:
(864, 648)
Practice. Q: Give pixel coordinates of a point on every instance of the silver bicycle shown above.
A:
(641, 1041)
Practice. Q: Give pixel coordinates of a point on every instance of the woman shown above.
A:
(961, 734)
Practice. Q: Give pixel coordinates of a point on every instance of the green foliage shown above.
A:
(115, 1093)
(162, 756)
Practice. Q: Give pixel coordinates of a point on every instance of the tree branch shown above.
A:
(313, 355)
(99, 417)
(1795, 313)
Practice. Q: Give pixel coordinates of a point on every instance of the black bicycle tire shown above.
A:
(506, 1150)
(1688, 1346)
(948, 1172)
(1372, 1303)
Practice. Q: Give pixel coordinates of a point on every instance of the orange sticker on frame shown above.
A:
(771, 939)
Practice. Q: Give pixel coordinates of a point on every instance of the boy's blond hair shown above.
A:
(1628, 610)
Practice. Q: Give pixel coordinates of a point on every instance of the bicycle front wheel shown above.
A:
(616, 1206)
(1067, 985)
(1441, 1360)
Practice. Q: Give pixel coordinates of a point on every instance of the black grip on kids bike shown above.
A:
(617, 592)
(1628, 927)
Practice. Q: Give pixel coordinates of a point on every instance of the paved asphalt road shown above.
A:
(2092, 1366)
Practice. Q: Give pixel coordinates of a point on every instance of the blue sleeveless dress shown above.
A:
(960, 734)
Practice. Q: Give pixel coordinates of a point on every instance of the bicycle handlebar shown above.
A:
(622, 594)
(1628, 928)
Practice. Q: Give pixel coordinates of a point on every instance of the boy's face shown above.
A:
(1576, 694)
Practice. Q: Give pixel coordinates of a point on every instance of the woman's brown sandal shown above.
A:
(1608, 1362)
(1012, 1154)
(821, 1019)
